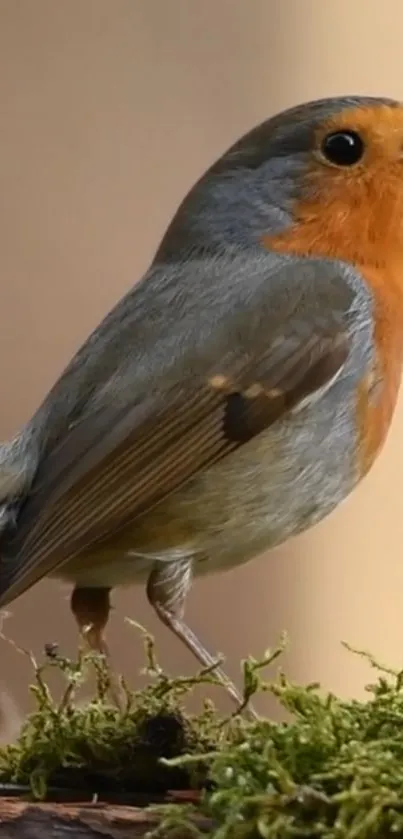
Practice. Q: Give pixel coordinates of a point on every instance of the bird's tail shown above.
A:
(19, 460)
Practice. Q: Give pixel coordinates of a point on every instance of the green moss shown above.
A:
(101, 749)
(334, 770)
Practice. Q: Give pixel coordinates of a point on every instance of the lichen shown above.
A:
(333, 770)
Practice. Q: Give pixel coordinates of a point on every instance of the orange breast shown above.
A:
(356, 215)
(384, 275)
(375, 410)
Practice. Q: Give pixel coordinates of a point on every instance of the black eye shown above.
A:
(343, 148)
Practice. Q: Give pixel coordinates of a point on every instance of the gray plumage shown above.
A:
(137, 458)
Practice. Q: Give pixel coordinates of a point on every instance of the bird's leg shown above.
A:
(91, 608)
(167, 588)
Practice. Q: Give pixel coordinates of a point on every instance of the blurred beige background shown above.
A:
(109, 111)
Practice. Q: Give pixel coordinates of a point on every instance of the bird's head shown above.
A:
(331, 170)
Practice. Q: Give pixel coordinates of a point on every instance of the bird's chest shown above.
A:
(295, 473)
(278, 484)
(284, 480)
(377, 390)
(275, 486)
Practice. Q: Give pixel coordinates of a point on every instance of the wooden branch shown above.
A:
(25, 820)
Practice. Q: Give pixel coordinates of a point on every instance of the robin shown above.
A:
(240, 391)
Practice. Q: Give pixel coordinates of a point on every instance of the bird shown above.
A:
(239, 392)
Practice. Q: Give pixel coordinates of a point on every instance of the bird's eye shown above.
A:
(343, 148)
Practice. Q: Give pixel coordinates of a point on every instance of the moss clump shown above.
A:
(99, 749)
(333, 771)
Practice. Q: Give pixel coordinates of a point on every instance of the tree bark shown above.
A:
(25, 820)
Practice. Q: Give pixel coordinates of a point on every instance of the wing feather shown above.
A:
(124, 455)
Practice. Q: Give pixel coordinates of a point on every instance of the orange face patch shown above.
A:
(355, 214)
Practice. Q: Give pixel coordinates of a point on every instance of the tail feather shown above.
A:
(18, 464)
(8, 518)
(19, 460)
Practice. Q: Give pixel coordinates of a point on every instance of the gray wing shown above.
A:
(180, 396)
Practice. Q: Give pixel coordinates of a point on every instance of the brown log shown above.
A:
(26, 820)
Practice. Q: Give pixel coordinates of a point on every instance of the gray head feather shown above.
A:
(251, 188)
